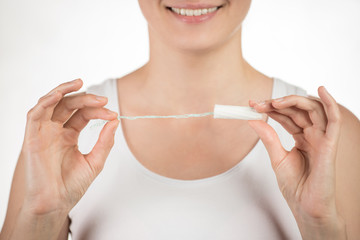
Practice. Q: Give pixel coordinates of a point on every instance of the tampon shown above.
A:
(236, 112)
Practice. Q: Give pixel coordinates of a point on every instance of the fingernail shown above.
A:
(260, 103)
(111, 112)
(100, 99)
(278, 100)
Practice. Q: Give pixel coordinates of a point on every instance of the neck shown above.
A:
(190, 81)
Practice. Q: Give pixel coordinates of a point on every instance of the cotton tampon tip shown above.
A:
(236, 112)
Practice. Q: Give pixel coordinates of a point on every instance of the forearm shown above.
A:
(31, 226)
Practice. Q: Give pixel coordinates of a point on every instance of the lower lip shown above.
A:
(194, 19)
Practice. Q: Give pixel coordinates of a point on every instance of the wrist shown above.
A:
(42, 206)
(38, 226)
(319, 229)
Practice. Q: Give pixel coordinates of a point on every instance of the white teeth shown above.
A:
(212, 9)
(189, 12)
(204, 11)
(193, 12)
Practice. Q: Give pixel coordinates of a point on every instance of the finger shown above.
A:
(271, 141)
(82, 117)
(314, 108)
(97, 157)
(68, 87)
(40, 111)
(333, 113)
(69, 104)
(299, 117)
(261, 106)
(286, 122)
(62, 89)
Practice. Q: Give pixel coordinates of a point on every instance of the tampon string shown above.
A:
(220, 111)
(190, 115)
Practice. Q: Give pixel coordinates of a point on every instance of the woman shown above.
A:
(200, 178)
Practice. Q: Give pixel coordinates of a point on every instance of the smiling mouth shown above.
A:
(193, 12)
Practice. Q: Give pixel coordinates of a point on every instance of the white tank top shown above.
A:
(129, 202)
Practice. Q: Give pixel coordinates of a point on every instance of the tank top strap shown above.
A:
(108, 88)
(282, 88)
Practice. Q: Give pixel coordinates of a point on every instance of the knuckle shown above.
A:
(62, 85)
(97, 168)
(297, 121)
(30, 114)
(336, 118)
(70, 136)
(88, 98)
(295, 116)
(284, 120)
(71, 102)
(288, 121)
(41, 99)
(336, 115)
(300, 142)
(318, 106)
(66, 103)
(62, 100)
(85, 114)
(111, 143)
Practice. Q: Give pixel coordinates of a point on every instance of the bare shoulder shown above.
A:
(350, 129)
(131, 77)
(349, 142)
(348, 172)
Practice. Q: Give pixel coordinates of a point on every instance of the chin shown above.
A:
(195, 42)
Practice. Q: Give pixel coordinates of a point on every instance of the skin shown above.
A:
(316, 177)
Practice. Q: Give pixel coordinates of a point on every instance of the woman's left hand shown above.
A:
(306, 174)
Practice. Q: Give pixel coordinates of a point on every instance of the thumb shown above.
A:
(97, 157)
(271, 141)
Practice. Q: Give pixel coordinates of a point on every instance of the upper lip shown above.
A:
(193, 6)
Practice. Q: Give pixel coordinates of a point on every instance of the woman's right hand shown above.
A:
(57, 173)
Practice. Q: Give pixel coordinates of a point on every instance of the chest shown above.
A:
(189, 148)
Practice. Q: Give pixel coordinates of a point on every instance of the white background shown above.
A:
(43, 43)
